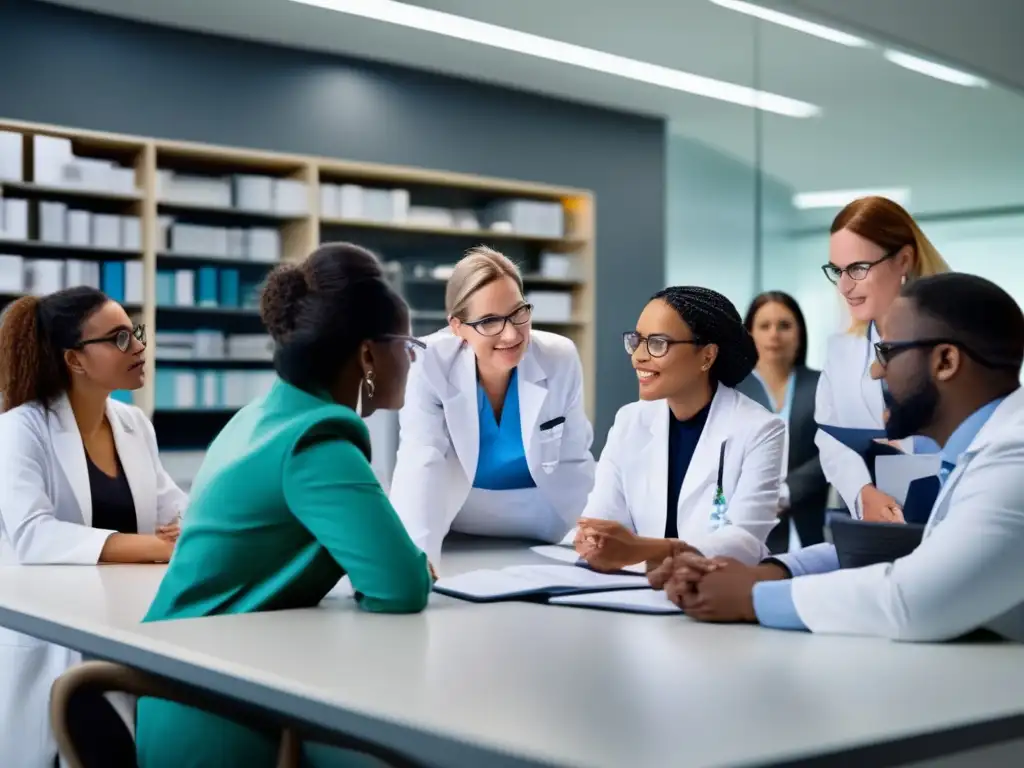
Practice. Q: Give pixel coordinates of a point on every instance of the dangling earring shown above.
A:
(371, 385)
(903, 280)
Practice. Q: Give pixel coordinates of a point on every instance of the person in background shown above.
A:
(875, 247)
(951, 353)
(84, 485)
(782, 383)
(286, 503)
(694, 465)
(494, 438)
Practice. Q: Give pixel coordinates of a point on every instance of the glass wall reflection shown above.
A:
(752, 194)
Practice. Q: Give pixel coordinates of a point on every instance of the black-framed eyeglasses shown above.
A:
(885, 351)
(856, 271)
(493, 325)
(122, 339)
(409, 343)
(657, 346)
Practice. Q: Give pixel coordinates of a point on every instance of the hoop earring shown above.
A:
(371, 385)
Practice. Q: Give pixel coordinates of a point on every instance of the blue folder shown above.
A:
(859, 440)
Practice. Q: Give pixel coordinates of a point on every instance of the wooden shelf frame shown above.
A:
(300, 235)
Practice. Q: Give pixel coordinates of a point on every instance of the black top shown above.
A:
(682, 442)
(113, 508)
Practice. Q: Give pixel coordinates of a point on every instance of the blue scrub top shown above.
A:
(501, 465)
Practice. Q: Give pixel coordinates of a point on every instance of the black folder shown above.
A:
(859, 543)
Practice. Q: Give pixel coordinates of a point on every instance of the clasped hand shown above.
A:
(707, 589)
(607, 545)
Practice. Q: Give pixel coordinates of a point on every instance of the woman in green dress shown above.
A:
(285, 503)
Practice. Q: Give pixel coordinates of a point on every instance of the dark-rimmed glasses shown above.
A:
(493, 325)
(885, 351)
(657, 346)
(122, 339)
(410, 343)
(856, 271)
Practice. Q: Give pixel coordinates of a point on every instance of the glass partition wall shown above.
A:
(751, 192)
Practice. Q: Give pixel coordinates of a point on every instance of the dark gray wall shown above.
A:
(88, 71)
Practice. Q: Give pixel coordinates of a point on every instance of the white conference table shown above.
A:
(516, 684)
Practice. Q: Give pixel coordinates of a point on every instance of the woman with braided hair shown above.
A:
(694, 465)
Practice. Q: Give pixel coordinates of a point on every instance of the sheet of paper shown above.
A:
(569, 556)
(531, 579)
(627, 601)
(557, 552)
(893, 474)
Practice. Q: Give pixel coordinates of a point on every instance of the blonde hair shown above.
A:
(888, 225)
(479, 267)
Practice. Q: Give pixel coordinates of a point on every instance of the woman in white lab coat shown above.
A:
(84, 485)
(875, 247)
(694, 464)
(494, 439)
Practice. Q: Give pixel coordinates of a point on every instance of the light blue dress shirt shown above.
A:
(501, 463)
(787, 404)
(773, 600)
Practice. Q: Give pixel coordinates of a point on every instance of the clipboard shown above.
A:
(859, 543)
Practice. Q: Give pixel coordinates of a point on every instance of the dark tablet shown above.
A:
(859, 543)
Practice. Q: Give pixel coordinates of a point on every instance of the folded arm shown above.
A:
(330, 487)
(29, 520)
(966, 572)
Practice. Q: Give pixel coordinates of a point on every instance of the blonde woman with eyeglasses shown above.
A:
(875, 248)
(494, 439)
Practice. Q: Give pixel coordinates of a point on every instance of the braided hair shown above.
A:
(713, 319)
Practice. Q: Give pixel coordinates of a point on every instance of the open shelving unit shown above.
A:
(415, 249)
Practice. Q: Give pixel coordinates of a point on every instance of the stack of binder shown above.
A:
(566, 585)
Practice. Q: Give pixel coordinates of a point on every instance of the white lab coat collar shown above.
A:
(654, 455)
(1005, 417)
(460, 401)
(70, 452)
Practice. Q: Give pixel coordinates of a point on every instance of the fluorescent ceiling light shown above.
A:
(461, 28)
(837, 198)
(938, 71)
(794, 22)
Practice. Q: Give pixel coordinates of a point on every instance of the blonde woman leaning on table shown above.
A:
(286, 503)
(84, 485)
(694, 464)
(494, 437)
(875, 248)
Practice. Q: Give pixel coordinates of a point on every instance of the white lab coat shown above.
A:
(439, 440)
(632, 475)
(847, 396)
(968, 571)
(46, 518)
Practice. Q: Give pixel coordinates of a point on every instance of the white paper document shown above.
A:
(557, 552)
(524, 580)
(568, 555)
(894, 474)
(624, 601)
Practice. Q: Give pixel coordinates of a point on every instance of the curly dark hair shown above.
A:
(320, 310)
(34, 334)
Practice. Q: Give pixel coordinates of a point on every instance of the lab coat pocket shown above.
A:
(551, 448)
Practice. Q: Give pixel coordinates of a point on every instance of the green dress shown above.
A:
(284, 505)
